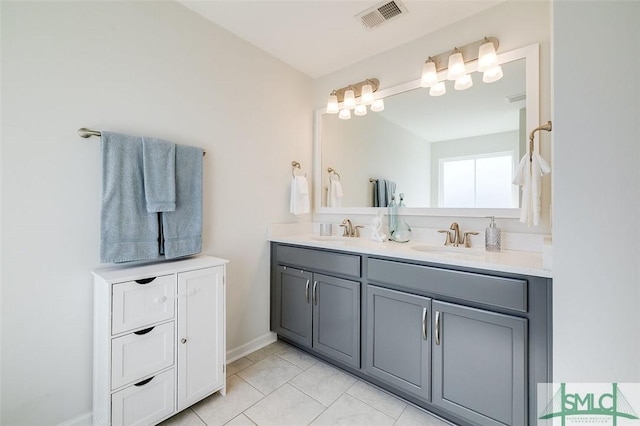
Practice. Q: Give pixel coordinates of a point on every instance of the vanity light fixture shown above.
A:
(453, 62)
(355, 96)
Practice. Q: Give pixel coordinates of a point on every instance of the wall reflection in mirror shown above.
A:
(456, 151)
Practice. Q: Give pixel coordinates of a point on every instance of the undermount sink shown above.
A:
(448, 250)
(330, 238)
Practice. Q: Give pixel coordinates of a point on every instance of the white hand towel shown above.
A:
(529, 176)
(334, 196)
(299, 202)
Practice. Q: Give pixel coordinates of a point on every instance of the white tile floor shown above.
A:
(283, 386)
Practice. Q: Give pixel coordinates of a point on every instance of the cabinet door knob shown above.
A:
(437, 328)
(315, 295)
(161, 300)
(424, 323)
(183, 340)
(306, 291)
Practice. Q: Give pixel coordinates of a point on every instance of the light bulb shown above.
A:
(487, 57)
(492, 74)
(377, 105)
(456, 66)
(345, 114)
(463, 82)
(438, 89)
(360, 110)
(429, 74)
(332, 103)
(366, 95)
(349, 99)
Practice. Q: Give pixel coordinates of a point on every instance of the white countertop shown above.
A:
(518, 262)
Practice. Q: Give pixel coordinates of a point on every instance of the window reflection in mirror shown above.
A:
(458, 150)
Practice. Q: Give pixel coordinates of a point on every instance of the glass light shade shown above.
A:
(438, 89)
(456, 66)
(463, 82)
(377, 105)
(349, 99)
(429, 74)
(345, 114)
(487, 57)
(492, 74)
(360, 110)
(332, 104)
(366, 96)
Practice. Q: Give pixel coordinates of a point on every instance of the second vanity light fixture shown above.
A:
(348, 95)
(483, 50)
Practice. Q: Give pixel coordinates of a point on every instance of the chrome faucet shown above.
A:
(455, 239)
(350, 230)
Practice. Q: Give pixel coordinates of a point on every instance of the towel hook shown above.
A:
(295, 165)
(331, 170)
(547, 127)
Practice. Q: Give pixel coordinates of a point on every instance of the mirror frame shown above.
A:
(530, 53)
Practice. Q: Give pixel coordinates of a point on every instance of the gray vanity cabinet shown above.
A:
(399, 340)
(319, 311)
(479, 364)
(293, 293)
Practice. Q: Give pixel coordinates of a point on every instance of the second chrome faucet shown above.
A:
(455, 239)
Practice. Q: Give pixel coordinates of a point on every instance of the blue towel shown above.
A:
(182, 228)
(159, 161)
(127, 231)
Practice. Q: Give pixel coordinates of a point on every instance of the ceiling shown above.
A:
(319, 37)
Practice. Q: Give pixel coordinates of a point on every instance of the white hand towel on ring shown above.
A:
(335, 194)
(528, 176)
(299, 202)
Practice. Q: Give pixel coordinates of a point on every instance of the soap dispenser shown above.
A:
(492, 236)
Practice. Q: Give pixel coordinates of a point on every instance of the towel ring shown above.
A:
(295, 165)
(331, 170)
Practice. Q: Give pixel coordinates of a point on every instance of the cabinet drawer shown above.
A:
(139, 354)
(486, 289)
(144, 403)
(142, 302)
(334, 263)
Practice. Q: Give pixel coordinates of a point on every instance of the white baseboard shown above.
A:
(252, 346)
(85, 419)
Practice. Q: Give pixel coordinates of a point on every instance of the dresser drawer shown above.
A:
(142, 302)
(321, 261)
(486, 289)
(140, 354)
(144, 403)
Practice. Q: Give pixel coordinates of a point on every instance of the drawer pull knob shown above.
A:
(183, 340)
(145, 280)
(145, 331)
(315, 294)
(306, 291)
(437, 328)
(144, 382)
(424, 323)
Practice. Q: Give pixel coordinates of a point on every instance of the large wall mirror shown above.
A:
(449, 155)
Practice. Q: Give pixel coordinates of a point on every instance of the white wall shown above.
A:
(596, 233)
(147, 68)
(373, 147)
(516, 24)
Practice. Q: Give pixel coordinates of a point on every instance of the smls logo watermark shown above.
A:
(588, 403)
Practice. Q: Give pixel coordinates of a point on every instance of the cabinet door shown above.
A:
(336, 318)
(201, 325)
(479, 364)
(293, 304)
(399, 340)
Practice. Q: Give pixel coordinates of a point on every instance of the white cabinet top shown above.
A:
(518, 262)
(135, 270)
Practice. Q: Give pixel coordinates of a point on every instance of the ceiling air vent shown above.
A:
(381, 13)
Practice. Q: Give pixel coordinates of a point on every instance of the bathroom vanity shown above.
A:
(464, 336)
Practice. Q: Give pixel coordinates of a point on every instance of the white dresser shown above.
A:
(159, 338)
